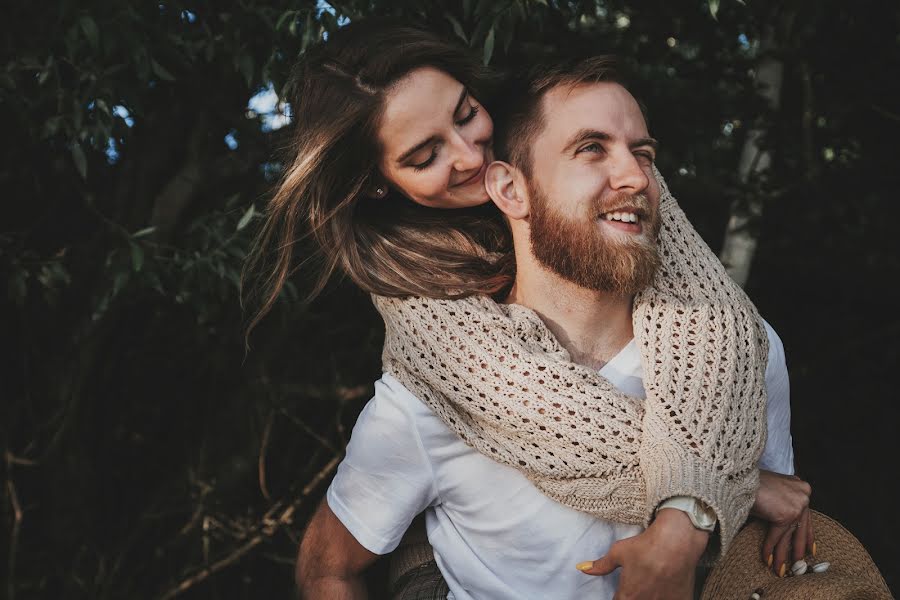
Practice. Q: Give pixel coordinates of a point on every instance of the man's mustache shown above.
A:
(636, 203)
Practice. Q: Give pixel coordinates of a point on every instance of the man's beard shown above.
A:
(578, 250)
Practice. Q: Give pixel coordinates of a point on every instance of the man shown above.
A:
(584, 153)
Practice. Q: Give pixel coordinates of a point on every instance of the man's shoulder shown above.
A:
(394, 408)
(389, 390)
(776, 350)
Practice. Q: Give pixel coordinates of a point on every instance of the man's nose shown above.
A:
(626, 174)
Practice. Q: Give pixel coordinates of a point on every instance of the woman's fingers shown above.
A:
(810, 536)
(603, 565)
(773, 535)
(782, 550)
(800, 544)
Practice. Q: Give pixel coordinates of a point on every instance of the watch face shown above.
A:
(704, 515)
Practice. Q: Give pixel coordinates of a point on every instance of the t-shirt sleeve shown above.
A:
(778, 454)
(385, 478)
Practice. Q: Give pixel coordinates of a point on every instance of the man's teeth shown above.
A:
(625, 217)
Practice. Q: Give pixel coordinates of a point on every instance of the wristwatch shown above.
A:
(701, 515)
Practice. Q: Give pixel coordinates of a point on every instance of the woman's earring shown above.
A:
(380, 192)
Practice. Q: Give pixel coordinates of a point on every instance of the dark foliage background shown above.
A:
(145, 456)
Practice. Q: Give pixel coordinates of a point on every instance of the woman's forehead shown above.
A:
(419, 104)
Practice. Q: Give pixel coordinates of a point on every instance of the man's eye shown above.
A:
(427, 162)
(472, 112)
(648, 156)
(594, 147)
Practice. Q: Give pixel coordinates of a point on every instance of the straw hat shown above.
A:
(851, 574)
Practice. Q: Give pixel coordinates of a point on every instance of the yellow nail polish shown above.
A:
(771, 558)
(782, 569)
(585, 566)
(814, 548)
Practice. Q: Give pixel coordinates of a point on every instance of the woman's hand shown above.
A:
(783, 501)
(659, 563)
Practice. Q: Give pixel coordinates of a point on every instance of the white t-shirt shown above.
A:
(495, 536)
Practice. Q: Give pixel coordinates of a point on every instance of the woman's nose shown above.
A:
(469, 154)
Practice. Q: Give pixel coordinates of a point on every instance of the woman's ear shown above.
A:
(505, 186)
(377, 191)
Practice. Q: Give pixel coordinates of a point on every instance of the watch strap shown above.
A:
(701, 515)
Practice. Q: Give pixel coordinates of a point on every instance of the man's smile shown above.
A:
(624, 220)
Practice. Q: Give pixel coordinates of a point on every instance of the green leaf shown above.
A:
(144, 231)
(246, 218)
(245, 65)
(714, 8)
(51, 126)
(7, 81)
(18, 287)
(457, 28)
(489, 46)
(288, 14)
(310, 32)
(137, 257)
(484, 7)
(160, 71)
(80, 159)
(89, 27)
(119, 282)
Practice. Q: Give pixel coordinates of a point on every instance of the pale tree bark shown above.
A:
(741, 239)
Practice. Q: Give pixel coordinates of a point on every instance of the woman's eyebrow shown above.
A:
(432, 139)
(416, 148)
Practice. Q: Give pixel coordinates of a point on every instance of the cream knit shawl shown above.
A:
(498, 378)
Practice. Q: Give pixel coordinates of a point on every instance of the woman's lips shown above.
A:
(476, 176)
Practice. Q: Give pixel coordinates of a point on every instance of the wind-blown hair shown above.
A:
(389, 246)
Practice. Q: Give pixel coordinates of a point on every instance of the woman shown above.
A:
(376, 157)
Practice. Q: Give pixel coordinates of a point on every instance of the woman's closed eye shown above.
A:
(470, 116)
(473, 110)
(427, 162)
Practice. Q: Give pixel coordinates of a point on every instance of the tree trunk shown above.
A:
(740, 238)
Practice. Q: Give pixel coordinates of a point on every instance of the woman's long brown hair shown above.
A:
(388, 246)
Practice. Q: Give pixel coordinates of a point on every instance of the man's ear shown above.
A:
(506, 187)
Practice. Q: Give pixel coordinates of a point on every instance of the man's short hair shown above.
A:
(518, 113)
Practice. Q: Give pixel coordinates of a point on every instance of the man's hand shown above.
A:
(658, 564)
(783, 501)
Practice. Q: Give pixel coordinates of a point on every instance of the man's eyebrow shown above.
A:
(584, 135)
(432, 139)
(593, 134)
(647, 141)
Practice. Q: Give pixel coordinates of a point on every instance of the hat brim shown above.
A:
(851, 575)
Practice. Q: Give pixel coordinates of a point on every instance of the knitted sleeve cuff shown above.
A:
(670, 471)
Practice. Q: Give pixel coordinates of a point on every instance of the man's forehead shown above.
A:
(603, 106)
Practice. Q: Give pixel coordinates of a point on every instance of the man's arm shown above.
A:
(331, 562)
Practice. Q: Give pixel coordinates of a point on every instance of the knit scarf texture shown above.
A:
(498, 378)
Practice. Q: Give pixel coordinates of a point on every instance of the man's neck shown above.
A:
(593, 326)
